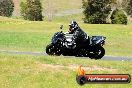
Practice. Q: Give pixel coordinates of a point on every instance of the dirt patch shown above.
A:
(72, 67)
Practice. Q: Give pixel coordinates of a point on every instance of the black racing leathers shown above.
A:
(79, 36)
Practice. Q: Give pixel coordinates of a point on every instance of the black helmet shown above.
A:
(73, 25)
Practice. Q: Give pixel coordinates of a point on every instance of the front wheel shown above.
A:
(98, 52)
(51, 49)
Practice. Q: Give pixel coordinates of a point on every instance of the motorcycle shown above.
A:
(63, 44)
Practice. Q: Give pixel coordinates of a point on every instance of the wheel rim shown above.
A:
(99, 53)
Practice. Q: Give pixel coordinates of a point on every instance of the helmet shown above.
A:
(73, 25)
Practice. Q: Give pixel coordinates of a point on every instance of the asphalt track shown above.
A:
(106, 57)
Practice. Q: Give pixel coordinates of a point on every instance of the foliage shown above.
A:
(129, 8)
(31, 10)
(96, 11)
(6, 8)
(118, 17)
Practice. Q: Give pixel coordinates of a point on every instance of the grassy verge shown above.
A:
(55, 72)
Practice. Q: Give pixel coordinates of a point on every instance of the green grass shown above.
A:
(21, 71)
(34, 36)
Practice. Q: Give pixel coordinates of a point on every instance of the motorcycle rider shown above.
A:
(78, 34)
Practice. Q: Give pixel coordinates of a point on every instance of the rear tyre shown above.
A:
(51, 49)
(98, 52)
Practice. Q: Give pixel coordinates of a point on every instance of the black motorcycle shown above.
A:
(63, 44)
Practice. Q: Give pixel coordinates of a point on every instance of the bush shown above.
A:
(6, 8)
(118, 17)
(128, 9)
(31, 10)
(96, 11)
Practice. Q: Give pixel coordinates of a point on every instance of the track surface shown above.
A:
(115, 58)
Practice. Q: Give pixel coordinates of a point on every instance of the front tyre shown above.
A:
(52, 49)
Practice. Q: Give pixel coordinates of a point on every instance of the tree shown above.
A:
(96, 11)
(118, 17)
(31, 10)
(129, 8)
(6, 8)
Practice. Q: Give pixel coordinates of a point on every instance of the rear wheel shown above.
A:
(52, 49)
(98, 52)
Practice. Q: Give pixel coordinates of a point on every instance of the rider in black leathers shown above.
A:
(78, 34)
